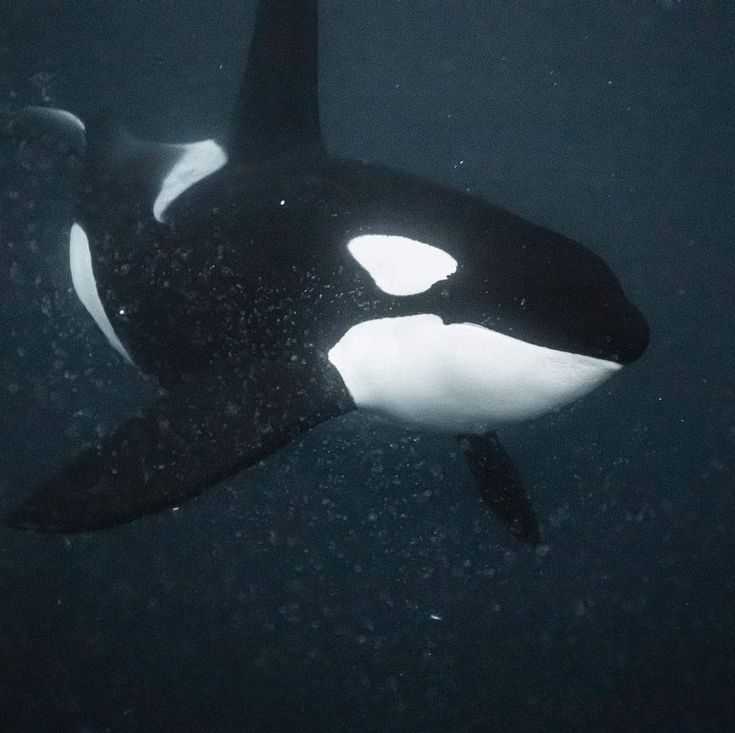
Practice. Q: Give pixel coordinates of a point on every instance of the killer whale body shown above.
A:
(271, 287)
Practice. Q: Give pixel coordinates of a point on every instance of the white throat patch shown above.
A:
(458, 378)
(401, 266)
(82, 277)
(196, 161)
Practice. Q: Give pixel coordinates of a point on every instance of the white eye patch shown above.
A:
(399, 265)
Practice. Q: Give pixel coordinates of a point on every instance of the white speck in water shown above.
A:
(283, 202)
(435, 617)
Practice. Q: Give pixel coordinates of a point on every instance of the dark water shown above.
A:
(354, 582)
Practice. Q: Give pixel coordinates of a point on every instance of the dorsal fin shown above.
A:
(277, 111)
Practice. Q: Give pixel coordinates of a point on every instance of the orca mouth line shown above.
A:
(612, 358)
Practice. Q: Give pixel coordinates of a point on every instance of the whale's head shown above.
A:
(516, 333)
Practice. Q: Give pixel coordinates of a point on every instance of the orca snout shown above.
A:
(603, 320)
(633, 334)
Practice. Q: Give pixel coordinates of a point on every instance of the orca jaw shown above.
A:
(458, 378)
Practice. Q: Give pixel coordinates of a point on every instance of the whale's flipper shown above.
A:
(209, 427)
(58, 128)
(500, 485)
(117, 167)
(277, 111)
(47, 138)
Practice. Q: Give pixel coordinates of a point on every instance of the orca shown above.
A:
(270, 286)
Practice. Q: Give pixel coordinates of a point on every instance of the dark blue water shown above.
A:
(354, 582)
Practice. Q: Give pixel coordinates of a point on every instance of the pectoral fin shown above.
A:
(500, 485)
(187, 441)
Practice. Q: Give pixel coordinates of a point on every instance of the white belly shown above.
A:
(458, 378)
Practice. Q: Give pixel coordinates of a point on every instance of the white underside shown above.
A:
(82, 277)
(458, 378)
(196, 162)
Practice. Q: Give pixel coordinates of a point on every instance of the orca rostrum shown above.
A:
(270, 286)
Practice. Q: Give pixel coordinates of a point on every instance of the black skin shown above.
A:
(235, 300)
(230, 261)
(501, 486)
(188, 440)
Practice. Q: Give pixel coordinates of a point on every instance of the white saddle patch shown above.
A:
(196, 162)
(399, 265)
(85, 286)
(458, 378)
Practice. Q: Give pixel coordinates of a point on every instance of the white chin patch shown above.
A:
(401, 266)
(82, 277)
(458, 378)
(196, 161)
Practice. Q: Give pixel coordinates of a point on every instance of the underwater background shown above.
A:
(354, 581)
